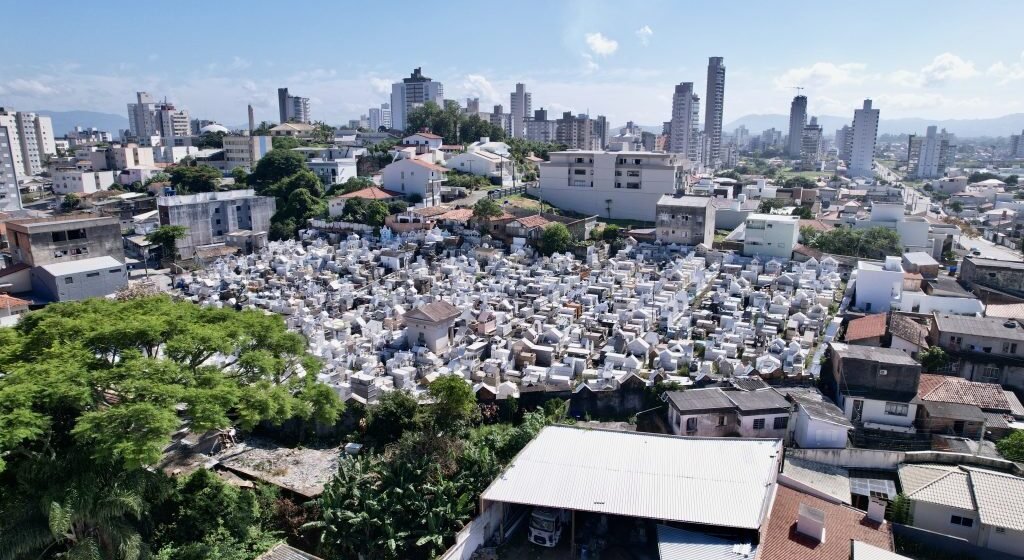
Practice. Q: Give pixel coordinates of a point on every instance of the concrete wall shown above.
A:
(874, 411)
(934, 517)
(810, 433)
(707, 423)
(59, 241)
(435, 336)
(210, 218)
(82, 285)
(1009, 541)
(476, 532)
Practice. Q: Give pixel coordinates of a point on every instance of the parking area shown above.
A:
(598, 536)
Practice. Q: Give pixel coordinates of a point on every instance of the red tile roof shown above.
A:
(945, 388)
(816, 225)
(843, 524)
(457, 215)
(533, 221)
(430, 135)
(11, 301)
(374, 193)
(871, 326)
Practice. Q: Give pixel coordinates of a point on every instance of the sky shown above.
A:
(933, 59)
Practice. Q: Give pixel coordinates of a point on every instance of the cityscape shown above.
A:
(612, 296)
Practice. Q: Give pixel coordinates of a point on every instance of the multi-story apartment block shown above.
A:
(211, 217)
(686, 220)
(148, 118)
(865, 135)
(521, 106)
(501, 119)
(810, 146)
(576, 132)
(985, 349)
(927, 156)
(685, 137)
(130, 155)
(31, 139)
(539, 128)
(770, 235)
(616, 185)
(10, 196)
(380, 117)
(292, 108)
(67, 181)
(62, 239)
(797, 122)
(415, 90)
(844, 142)
(1017, 145)
(245, 151)
(714, 106)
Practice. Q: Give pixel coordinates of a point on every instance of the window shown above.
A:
(962, 521)
(216, 210)
(1000, 530)
(990, 374)
(632, 173)
(69, 280)
(896, 409)
(579, 160)
(759, 423)
(579, 171)
(721, 420)
(579, 182)
(781, 422)
(691, 424)
(59, 236)
(632, 185)
(92, 274)
(114, 271)
(1009, 348)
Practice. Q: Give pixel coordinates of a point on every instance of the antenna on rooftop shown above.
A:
(799, 89)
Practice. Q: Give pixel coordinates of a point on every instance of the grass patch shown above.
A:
(813, 175)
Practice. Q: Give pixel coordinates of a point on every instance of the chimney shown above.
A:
(876, 510)
(810, 522)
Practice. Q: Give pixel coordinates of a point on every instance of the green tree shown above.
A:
(900, 510)
(195, 179)
(979, 176)
(555, 239)
(351, 185)
(486, 208)
(167, 238)
(393, 415)
(1011, 179)
(209, 140)
(1011, 447)
(276, 165)
(871, 243)
(240, 175)
(288, 143)
(611, 233)
(365, 211)
(767, 205)
(730, 174)
(956, 207)
(804, 213)
(71, 201)
(323, 133)
(799, 181)
(933, 359)
(454, 403)
(263, 129)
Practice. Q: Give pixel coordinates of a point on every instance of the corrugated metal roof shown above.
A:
(83, 265)
(865, 551)
(710, 481)
(829, 479)
(679, 544)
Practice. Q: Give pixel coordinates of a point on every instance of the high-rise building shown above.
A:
(923, 155)
(947, 153)
(844, 142)
(472, 105)
(30, 138)
(415, 90)
(148, 118)
(865, 134)
(521, 107)
(539, 128)
(576, 132)
(797, 122)
(501, 119)
(810, 145)
(292, 108)
(685, 128)
(714, 104)
(1017, 145)
(600, 132)
(741, 136)
(10, 196)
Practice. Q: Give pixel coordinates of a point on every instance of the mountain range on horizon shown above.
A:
(64, 121)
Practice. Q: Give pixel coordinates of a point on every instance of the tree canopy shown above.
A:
(90, 395)
(555, 239)
(276, 165)
(167, 238)
(451, 123)
(870, 243)
(195, 178)
(1011, 447)
(486, 208)
(799, 181)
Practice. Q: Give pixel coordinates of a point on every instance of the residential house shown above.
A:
(994, 281)
(687, 220)
(986, 349)
(717, 412)
(293, 129)
(415, 177)
(955, 406)
(875, 387)
(430, 325)
(336, 204)
(817, 422)
(980, 506)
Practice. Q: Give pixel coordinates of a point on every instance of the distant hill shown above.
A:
(965, 128)
(64, 121)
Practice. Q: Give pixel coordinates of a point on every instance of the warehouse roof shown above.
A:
(680, 544)
(723, 482)
(83, 265)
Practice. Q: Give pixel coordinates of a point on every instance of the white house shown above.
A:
(817, 423)
(479, 162)
(333, 171)
(770, 235)
(66, 181)
(413, 176)
(977, 505)
(430, 140)
(716, 412)
(878, 284)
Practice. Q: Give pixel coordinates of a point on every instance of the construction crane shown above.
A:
(798, 89)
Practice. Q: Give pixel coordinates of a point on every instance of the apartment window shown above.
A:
(69, 280)
(76, 234)
(579, 183)
(618, 185)
(781, 422)
(579, 160)
(990, 374)
(759, 424)
(691, 424)
(1000, 530)
(92, 275)
(962, 521)
(632, 185)
(579, 171)
(216, 210)
(721, 420)
(618, 174)
(632, 173)
(1009, 348)
(59, 236)
(956, 340)
(637, 161)
(896, 409)
(114, 271)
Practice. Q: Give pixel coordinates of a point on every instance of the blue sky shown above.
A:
(937, 59)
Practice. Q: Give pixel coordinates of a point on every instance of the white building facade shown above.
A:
(865, 135)
(67, 181)
(770, 235)
(685, 135)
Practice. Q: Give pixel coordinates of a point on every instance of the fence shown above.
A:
(325, 225)
(506, 191)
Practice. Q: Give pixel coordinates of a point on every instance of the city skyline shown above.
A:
(594, 59)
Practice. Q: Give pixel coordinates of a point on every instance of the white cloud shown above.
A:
(822, 74)
(20, 86)
(906, 78)
(589, 65)
(381, 85)
(476, 85)
(644, 34)
(239, 63)
(601, 45)
(1006, 73)
(947, 66)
